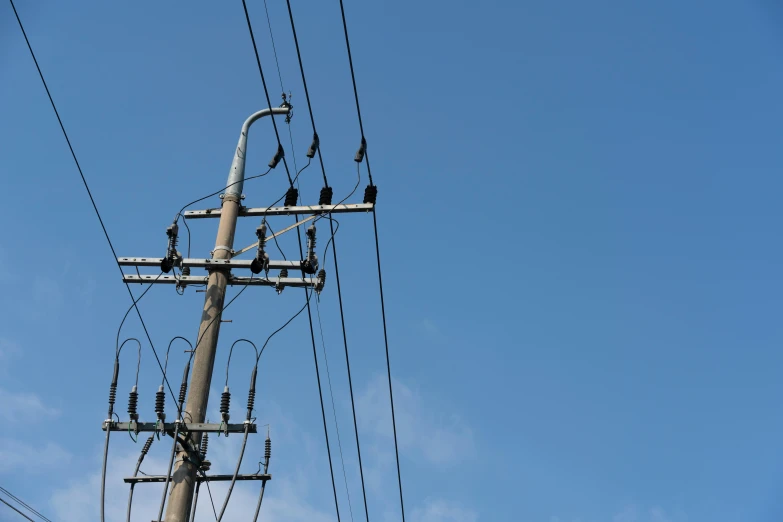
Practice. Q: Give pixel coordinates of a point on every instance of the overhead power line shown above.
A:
(301, 253)
(337, 276)
(378, 257)
(22, 502)
(12, 507)
(89, 192)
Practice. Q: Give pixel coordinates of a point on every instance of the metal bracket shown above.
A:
(199, 478)
(208, 263)
(297, 282)
(284, 211)
(223, 247)
(276, 234)
(187, 427)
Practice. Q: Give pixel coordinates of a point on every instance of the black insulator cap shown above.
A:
(261, 231)
(186, 271)
(225, 404)
(268, 449)
(371, 194)
(166, 264)
(259, 265)
(360, 153)
(313, 146)
(204, 445)
(321, 280)
(172, 230)
(116, 373)
(160, 401)
(278, 156)
(326, 196)
(253, 379)
(291, 197)
(147, 445)
(133, 399)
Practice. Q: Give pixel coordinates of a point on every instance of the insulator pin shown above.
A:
(183, 391)
(251, 401)
(319, 285)
(360, 153)
(112, 396)
(267, 449)
(280, 154)
(160, 403)
(291, 197)
(371, 194)
(133, 400)
(225, 404)
(167, 263)
(261, 261)
(147, 445)
(279, 286)
(313, 146)
(310, 265)
(204, 445)
(326, 196)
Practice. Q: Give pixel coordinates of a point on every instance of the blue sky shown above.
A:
(578, 210)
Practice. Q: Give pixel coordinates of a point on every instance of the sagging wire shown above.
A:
(286, 101)
(331, 395)
(92, 201)
(224, 407)
(112, 399)
(160, 396)
(183, 389)
(220, 315)
(309, 295)
(119, 330)
(203, 474)
(370, 195)
(144, 452)
(267, 456)
(185, 221)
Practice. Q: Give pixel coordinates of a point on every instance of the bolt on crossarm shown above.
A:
(184, 477)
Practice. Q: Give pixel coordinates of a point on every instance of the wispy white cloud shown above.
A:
(437, 510)
(17, 455)
(286, 498)
(24, 407)
(439, 437)
(633, 513)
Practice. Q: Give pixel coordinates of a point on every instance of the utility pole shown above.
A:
(184, 477)
(189, 428)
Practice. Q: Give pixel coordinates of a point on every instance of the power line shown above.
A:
(307, 297)
(355, 91)
(282, 89)
(20, 501)
(336, 271)
(334, 410)
(378, 257)
(12, 507)
(89, 192)
(266, 91)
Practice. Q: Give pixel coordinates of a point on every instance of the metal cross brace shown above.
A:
(199, 478)
(283, 211)
(188, 427)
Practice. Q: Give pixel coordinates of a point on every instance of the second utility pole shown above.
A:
(183, 479)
